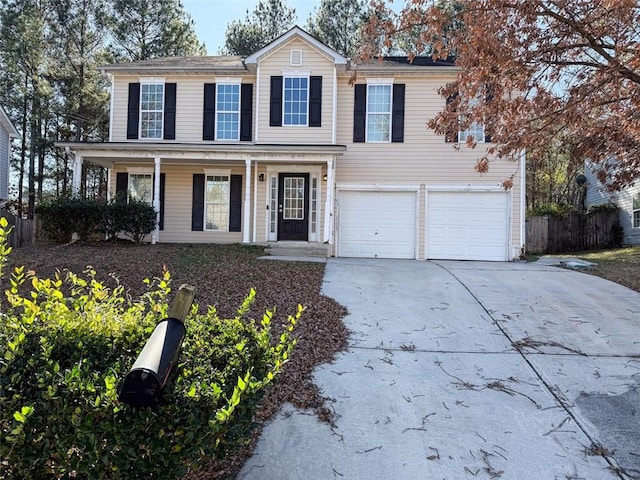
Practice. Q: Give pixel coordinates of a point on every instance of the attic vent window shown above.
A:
(296, 58)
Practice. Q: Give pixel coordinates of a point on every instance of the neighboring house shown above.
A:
(627, 199)
(279, 146)
(7, 132)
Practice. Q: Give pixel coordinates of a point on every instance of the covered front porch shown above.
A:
(215, 193)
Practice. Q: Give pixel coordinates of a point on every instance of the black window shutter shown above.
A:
(133, 111)
(397, 113)
(197, 205)
(451, 137)
(169, 111)
(275, 111)
(246, 111)
(122, 185)
(209, 118)
(235, 204)
(487, 131)
(359, 112)
(315, 101)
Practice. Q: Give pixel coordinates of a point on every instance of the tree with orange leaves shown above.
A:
(534, 71)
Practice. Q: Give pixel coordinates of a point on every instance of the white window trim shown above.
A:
(633, 211)
(379, 81)
(366, 124)
(151, 81)
(211, 173)
(217, 130)
(140, 172)
(295, 74)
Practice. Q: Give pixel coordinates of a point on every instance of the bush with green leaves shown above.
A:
(69, 341)
(64, 216)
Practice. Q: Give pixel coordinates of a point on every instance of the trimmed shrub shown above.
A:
(63, 216)
(69, 342)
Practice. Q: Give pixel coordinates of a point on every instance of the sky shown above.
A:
(212, 16)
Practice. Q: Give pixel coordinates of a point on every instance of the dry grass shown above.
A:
(620, 265)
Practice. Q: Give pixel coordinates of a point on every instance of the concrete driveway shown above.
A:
(472, 370)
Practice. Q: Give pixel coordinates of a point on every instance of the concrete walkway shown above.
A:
(472, 370)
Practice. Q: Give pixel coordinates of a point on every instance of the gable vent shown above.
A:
(296, 58)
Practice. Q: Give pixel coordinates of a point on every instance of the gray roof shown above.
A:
(193, 64)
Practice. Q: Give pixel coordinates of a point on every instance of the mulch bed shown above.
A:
(223, 276)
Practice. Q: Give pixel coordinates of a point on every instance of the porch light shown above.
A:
(261, 177)
(324, 177)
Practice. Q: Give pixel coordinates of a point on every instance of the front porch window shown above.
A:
(636, 210)
(217, 191)
(141, 187)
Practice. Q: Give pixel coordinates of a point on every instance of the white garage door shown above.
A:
(467, 225)
(377, 224)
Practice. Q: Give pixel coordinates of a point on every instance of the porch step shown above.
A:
(297, 249)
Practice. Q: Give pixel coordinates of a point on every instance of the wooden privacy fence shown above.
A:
(572, 233)
(23, 231)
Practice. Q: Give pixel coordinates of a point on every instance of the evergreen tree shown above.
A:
(142, 29)
(337, 23)
(269, 20)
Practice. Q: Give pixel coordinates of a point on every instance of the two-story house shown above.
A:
(7, 133)
(280, 146)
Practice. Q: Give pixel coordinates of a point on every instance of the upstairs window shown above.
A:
(227, 112)
(296, 100)
(151, 110)
(474, 130)
(378, 113)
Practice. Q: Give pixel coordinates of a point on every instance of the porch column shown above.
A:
(327, 236)
(246, 226)
(77, 174)
(156, 200)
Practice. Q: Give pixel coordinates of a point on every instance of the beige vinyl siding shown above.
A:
(189, 106)
(278, 63)
(177, 205)
(424, 158)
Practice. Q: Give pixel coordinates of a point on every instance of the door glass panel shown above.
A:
(293, 198)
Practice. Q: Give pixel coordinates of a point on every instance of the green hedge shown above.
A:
(67, 344)
(64, 216)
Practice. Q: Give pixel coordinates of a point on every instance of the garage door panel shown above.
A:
(377, 224)
(467, 225)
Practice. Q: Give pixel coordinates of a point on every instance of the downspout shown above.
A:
(335, 105)
(327, 235)
(112, 81)
(523, 207)
(257, 107)
(155, 236)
